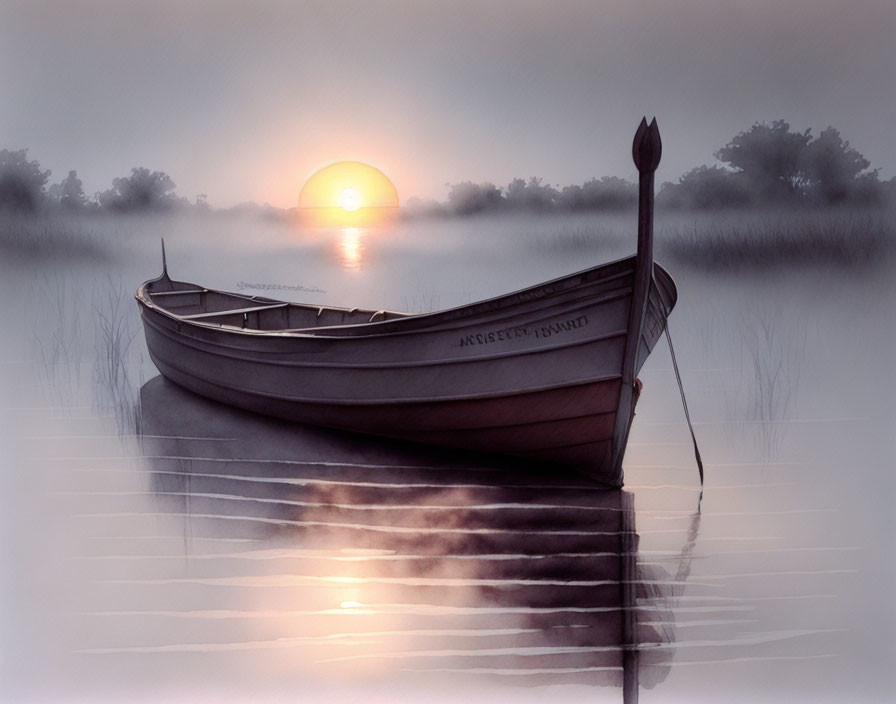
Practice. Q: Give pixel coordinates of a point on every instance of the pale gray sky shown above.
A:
(244, 101)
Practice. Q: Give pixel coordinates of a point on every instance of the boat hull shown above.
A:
(536, 374)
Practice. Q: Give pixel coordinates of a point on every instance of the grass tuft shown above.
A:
(47, 238)
(852, 240)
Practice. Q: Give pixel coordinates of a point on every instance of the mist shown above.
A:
(167, 545)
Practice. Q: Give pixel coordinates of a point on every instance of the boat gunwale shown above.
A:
(142, 296)
(565, 307)
(571, 306)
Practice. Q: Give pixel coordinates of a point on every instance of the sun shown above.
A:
(347, 193)
(350, 200)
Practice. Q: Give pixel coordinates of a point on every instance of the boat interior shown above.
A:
(191, 302)
(195, 303)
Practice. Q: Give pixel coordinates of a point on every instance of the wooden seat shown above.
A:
(233, 311)
(179, 293)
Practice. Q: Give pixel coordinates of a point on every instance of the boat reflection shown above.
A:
(388, 559)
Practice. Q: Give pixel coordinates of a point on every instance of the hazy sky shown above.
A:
(244, 101)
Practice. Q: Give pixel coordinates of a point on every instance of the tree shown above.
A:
(22, 182)
(834, 168)
(707, 187)
(771, 159)
(530, 195)
(69, 192)
(142, 190)
(570, 198)
(466, 198)
(868, 189)
(607, 193)
(888, 191)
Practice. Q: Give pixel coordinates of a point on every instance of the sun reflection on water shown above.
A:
(351, 247)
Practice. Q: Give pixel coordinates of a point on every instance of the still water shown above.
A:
(159, 547)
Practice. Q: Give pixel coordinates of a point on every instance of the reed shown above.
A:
(844, 240)
(113, 373)
(773, 348)
(57, 335)
(42, 238)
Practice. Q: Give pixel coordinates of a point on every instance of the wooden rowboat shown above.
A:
(548, 373)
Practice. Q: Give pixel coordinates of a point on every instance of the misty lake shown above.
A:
(160, 547)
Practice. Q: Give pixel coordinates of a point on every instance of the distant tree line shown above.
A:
(530, 195)
(768, 165)
(24, 188)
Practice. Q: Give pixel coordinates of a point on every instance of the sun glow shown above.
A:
(350, 200)
(347, 193)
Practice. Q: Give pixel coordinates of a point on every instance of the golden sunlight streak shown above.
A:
(350, 247)
(347, 193)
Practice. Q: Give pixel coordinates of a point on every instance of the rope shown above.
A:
(684, 403)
